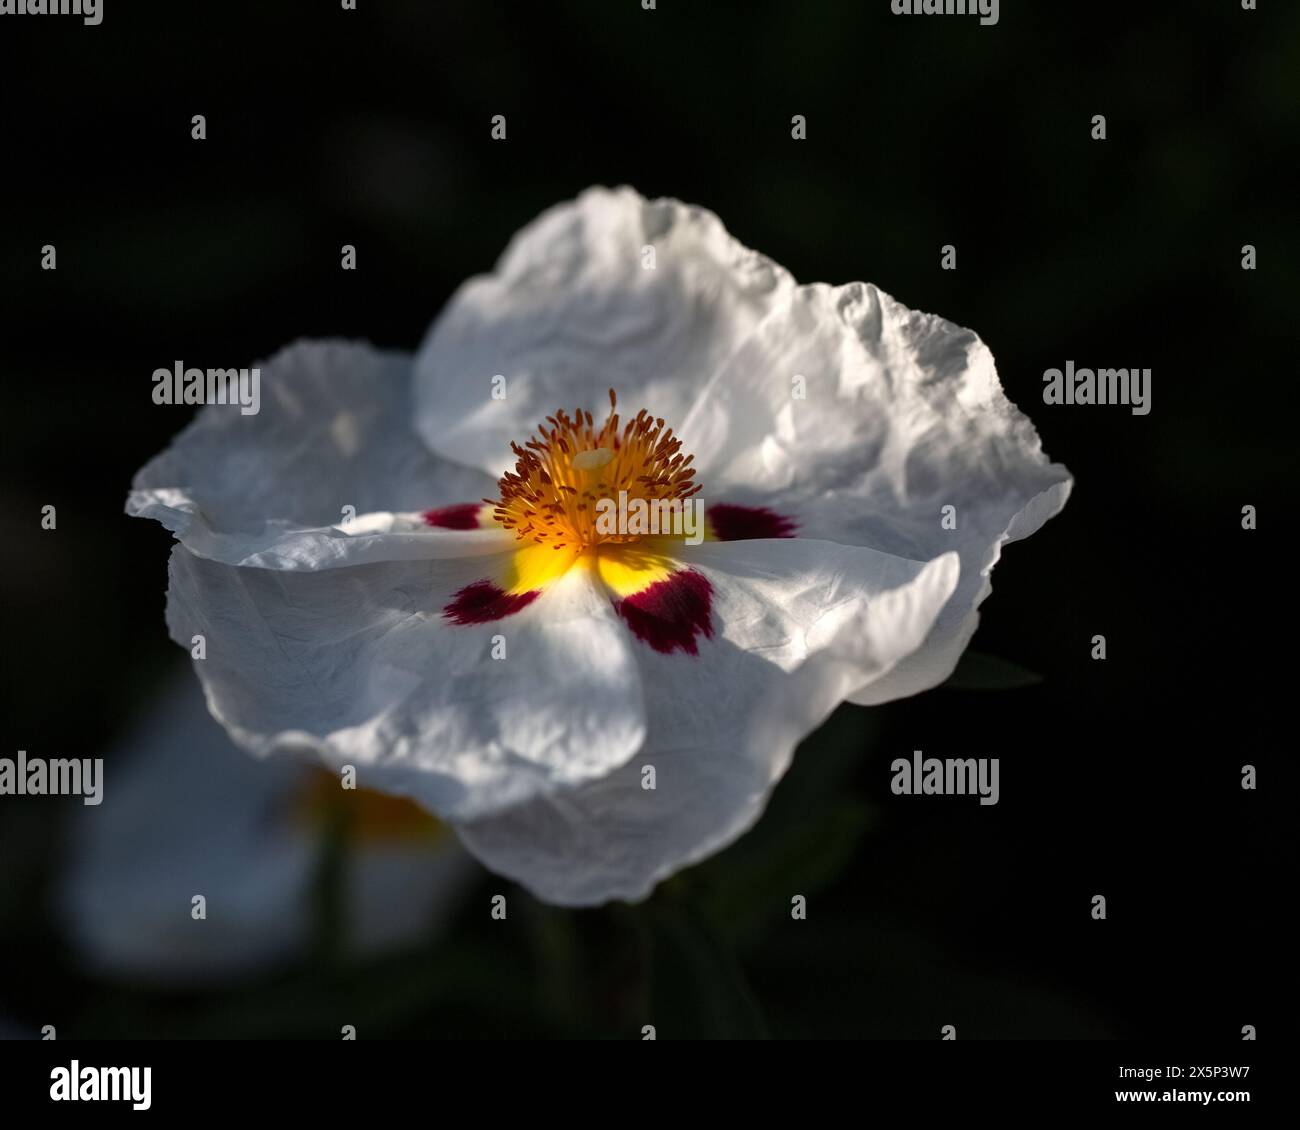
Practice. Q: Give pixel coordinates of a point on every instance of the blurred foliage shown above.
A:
(979, 672)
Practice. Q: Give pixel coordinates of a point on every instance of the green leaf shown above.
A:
(977, 671)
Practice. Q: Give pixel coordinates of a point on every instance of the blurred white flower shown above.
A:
(505, 664)
(185, 814)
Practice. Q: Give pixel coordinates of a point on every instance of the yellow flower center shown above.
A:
(372, 818)
(569, 467)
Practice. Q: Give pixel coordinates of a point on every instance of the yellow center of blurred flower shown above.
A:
(370, 817)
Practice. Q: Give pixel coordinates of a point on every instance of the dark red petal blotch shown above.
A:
(671, 613)
(463, 516)
(483, 602)
(744, 523)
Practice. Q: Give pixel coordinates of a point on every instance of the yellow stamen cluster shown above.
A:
(568, 467)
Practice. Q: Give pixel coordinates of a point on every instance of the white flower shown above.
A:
(829, 428)
(186, 814)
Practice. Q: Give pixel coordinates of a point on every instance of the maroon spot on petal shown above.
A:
(463, 516)
(671, 613)
(483, 602)
(743, 523)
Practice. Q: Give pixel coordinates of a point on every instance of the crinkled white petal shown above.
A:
(185, 813)
(952, 631)
(798, 625)
(903, 415)
(896, 415)
(574, 308)
(360, 667)
(334, 430)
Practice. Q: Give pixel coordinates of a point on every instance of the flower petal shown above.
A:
(903, 415)
(671, 614)
(728, 522)
(798, 625)
(462, 516)
(572, 310)
(334, 431)
(902, 412)
(360, 666)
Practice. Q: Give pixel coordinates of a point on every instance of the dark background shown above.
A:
(372, 127)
